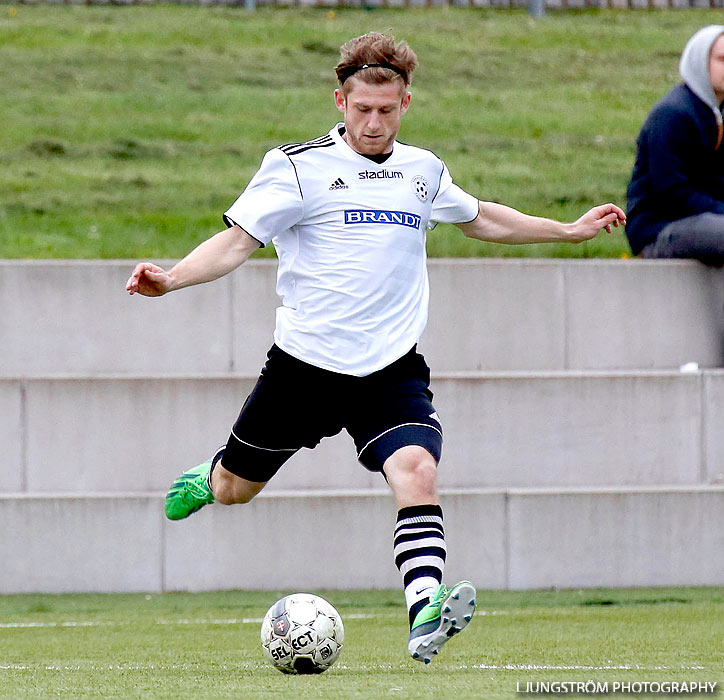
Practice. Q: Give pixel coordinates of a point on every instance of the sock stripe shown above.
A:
(419, 546)
(416, 511)
(419, 572)
(421, 553)
(418, 536)
(407, 553)
(417, 527)
(422, 563)
(430, 521)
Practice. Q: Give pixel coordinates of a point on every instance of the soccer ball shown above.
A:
(302, 633)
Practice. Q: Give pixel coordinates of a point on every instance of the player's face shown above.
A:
(716, 67)
(372, 114)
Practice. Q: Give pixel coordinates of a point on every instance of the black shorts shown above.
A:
(295, 404)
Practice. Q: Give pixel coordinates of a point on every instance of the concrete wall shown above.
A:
(58, 544)
(576, 452)
(528, 430)
(658, 537)
(573, 314)
(75, 317)
(513, 539)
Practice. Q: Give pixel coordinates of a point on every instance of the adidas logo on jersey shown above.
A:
(338, 184)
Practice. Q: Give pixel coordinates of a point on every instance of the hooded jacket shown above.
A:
(679, 166)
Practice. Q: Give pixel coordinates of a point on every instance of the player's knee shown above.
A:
(423, 470)
(425, 475)
(412, 465)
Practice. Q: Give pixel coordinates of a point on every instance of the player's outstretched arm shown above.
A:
(214, 258)
(497, 223)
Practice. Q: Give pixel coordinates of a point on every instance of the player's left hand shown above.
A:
(148, 279)
(602, 217)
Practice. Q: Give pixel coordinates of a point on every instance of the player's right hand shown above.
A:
(148, 279)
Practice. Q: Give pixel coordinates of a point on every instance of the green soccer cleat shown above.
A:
(189, 493)
(447, 613)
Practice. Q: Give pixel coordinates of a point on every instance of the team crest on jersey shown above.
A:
(420, 187)
(380, 216)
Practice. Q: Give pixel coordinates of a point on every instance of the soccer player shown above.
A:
(348, 214)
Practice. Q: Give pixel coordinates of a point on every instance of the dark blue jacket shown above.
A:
(679, 171)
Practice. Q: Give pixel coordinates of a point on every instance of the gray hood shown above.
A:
(694, 66)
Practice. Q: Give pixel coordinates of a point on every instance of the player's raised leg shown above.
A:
(436, 613)
(192, 490)
(207, 483)
(258, 444)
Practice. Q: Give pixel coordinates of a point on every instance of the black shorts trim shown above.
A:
(380, 448)
(252, 463)
(266, 449)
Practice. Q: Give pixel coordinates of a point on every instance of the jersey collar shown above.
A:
(337, 138)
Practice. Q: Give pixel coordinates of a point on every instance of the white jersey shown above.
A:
(350, 237)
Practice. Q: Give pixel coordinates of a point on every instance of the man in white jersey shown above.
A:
(348, 214)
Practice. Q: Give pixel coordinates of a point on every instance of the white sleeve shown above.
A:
(451, 204)
(272, 201)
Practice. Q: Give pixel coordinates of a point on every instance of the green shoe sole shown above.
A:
(456, 611)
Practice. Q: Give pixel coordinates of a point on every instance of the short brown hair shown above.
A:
(376, 59)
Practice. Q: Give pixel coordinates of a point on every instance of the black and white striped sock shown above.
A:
(420, 553)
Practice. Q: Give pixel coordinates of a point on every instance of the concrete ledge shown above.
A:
(485, 314)
(59, 544)
(499, 539)
(635, 538)
(106, 434)
(573, 429)
(543, 429)
(277, 541)
(76, 317)
(643, 314)
(13, 434)
(713, 401)
(495, 315)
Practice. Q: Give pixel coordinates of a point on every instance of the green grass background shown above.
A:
(187, 646)
(127, 131)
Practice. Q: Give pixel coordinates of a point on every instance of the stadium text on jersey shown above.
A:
(380, 175)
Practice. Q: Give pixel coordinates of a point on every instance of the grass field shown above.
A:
(198, 646)
(129, 130)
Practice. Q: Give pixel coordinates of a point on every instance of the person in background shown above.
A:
(676, 192)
